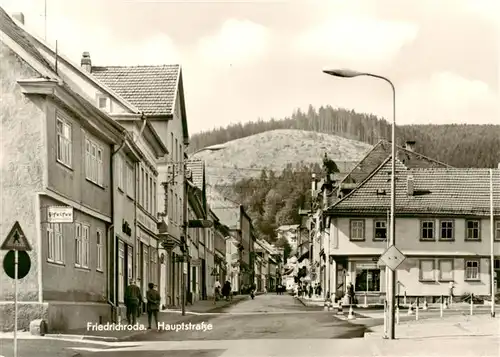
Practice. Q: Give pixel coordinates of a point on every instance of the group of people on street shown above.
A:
(308, 290)
(134, 300)
(224, 292)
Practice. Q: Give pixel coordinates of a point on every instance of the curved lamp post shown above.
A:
(348, 73)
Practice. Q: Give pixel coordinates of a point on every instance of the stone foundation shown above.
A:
(60, 316)
(26, 312)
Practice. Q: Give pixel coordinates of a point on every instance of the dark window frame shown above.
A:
(441, 221)
(427, 220)
(467, 239)
(375, 230)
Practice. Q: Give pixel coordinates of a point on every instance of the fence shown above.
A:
(420, 303)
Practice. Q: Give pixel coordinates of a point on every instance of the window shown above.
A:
(150, 194)
(130, 181)
(146, 205)
(172, 146)
(357, 229)
(446, 231)
(446, 270)
(103, 103)
(427, 230)
(171, 206)
(472, 270)
(427, 270)
(64, 145)
(497, 230)
(85, 246)
(78, 244)
(119, 172)
(380, 230)
(100, 251)
(154, 199)
(55, 243)
(93, 162)
(367, 280)
(176, 211)
(473, 230)
(82, 245)
(121, 267)
(153, 267)
(143, 186)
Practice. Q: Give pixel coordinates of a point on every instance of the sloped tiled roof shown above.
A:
(21, 37)
(379, 153)
(450, 191)
(288, 227)
(152, 89)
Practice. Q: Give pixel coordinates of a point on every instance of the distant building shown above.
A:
(442, 227)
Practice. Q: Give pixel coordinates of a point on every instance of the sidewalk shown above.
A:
(450, 326)
(198, 311)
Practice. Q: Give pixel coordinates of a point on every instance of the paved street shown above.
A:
(42, 347)
(269, 316)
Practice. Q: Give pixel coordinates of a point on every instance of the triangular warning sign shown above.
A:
(16, 240)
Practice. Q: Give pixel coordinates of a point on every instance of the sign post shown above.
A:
(392, 259)
(14, 242)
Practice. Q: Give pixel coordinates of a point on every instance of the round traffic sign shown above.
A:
(23, 267)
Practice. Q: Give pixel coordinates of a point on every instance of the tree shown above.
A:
(287, 249)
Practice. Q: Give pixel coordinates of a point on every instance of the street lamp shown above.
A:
(189, 223)
(348, 73)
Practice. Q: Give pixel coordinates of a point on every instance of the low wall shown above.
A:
(26, 312)
(60, 316)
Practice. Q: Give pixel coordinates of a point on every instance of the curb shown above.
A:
(82, 337)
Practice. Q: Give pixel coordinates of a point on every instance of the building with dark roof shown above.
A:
(442, 227)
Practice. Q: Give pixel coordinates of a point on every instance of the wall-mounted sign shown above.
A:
(60, 214)
(126, 228)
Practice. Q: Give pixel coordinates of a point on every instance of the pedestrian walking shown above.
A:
(319, 290)
(451, 287)
(310, 291)
(226, 290)
(153, 304)
(132, 299)
(350, 293)
(217, 290)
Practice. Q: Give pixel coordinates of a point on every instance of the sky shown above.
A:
(249, 60)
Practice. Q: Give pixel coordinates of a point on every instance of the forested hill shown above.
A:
(456, 145)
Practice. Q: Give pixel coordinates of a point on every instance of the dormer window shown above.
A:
(103, 103)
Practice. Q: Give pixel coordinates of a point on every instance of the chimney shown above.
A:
(19, 16)
(410, 145)
(86, 62)
(410, 185)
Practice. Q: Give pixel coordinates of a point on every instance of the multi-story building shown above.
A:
(57, 180)
(196, 276)
(442, 227)
(134, 230)
(234, 216)
(232, 259)
(221, 235)
(334, 187)
(168, 128)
